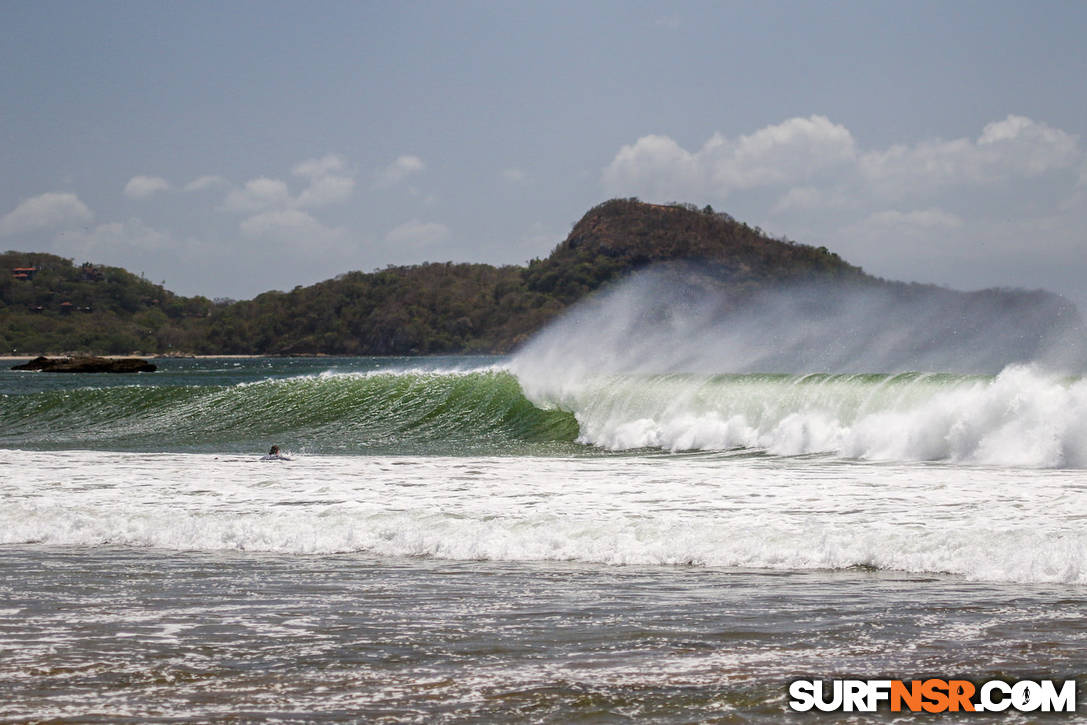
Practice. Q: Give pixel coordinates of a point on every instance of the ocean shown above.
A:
(473, 539)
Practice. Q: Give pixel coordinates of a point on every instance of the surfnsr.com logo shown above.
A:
(932, 695)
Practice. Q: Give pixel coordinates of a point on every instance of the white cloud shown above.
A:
(329, 181)
(417, 233)
(288, 220)
(1016, 147)
(823, 165)
(1008, 129)
(1029, 147)
(1077, 198)
(258, 195)
(105, 239)
(398, 170)
(900, 167)
(53, 209)
(327, 190)
(795, 149)
(141, 187)
(786, 153)
(294, 227)
(210, 181)
(654, 166)
(276, 216)
(318, 168)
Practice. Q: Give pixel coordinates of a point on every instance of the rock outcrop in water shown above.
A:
(88, 365)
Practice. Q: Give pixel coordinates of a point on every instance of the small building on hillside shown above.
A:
(26, 273)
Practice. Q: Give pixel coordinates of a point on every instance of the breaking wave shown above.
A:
(405, 411)
(1021, 417)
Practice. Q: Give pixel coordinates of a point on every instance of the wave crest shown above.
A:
(403, 411)
(1021, 417)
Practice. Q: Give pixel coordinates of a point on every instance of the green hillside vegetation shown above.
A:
(623, 235)
(430, 308)
(62, 307)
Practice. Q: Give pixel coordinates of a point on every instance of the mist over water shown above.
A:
(678, 320)
(894, 372)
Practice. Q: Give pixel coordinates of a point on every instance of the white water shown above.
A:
(982, 523)
(1022, 417)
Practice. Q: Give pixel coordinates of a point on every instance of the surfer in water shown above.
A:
(275, 455)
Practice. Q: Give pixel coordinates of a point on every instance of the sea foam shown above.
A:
(1021, 417)
(982, 523)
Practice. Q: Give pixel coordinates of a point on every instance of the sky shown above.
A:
(228, 148)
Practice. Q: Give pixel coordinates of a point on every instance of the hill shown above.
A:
(50, 305)
(430, 308)
(624, 235)
(445, 308)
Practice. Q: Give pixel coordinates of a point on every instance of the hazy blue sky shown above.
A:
(233, 147)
